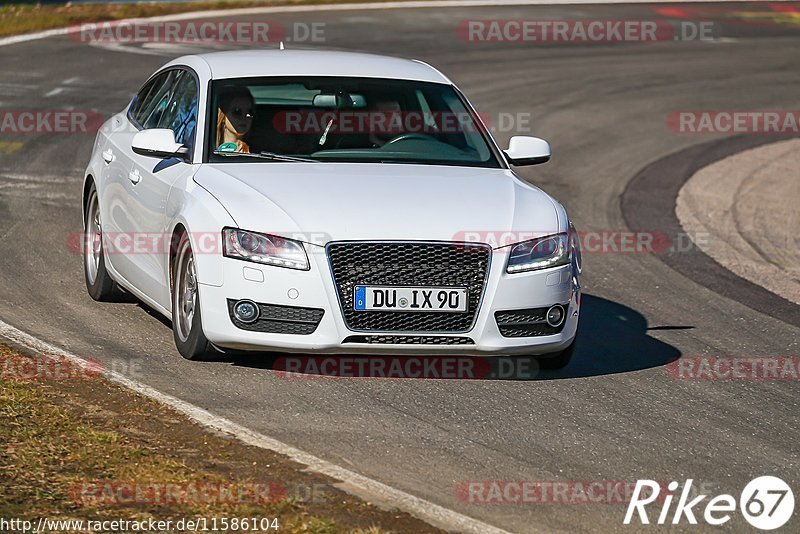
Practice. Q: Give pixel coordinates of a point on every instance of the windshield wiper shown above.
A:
(284, 157)
(266, 155)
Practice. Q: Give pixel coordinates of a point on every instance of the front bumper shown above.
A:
(316, 289)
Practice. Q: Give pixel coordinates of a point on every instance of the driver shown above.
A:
(234, 119)
(386, 107)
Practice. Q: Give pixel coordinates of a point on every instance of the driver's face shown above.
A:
(240, 113)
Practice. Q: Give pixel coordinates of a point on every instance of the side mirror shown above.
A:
(158, 143)
(523, 150)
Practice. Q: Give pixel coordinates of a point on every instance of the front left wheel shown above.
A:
(186, 320)
(99, 284)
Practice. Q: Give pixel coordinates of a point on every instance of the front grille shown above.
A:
(409, 264)
(275, 319)
(409, 340)
(530, 322)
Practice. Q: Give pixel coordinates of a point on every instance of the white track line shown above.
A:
(354, 483)
(369, 6)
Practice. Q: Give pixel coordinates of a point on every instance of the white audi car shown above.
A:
(327, 202)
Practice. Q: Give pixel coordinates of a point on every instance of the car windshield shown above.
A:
(344, 119)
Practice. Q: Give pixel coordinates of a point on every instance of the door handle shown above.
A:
(134, 176)
(108, 156)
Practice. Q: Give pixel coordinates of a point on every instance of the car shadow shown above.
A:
(612, 338)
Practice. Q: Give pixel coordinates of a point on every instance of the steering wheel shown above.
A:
(406, 136)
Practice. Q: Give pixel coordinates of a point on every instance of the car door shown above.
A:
(117, 189)
(152, 178)
(131, 200)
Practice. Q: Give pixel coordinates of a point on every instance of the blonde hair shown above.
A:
(241, 146)
(221, 118)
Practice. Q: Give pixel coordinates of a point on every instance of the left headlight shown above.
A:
(264, 248)
(540, 253)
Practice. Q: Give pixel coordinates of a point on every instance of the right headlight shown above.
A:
(540, 253)
(264, 248)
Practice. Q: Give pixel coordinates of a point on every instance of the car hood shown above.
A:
(322, 202)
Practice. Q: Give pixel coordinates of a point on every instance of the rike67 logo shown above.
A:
(767, 503)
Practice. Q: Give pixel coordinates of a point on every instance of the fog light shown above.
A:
(555, 315)
(246, 311)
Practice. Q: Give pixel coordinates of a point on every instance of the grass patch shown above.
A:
(25, 18)
(73, 449)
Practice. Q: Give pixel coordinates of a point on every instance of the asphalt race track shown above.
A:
(614, 414)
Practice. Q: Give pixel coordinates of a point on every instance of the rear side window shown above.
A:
(153, 99)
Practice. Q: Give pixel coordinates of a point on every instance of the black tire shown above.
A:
(556, 360)
(188, 334)
(98, 282)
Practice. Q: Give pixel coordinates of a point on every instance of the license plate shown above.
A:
(410, 299)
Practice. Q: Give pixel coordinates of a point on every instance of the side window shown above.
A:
(180, 114)
(148, 110)
(144, 96)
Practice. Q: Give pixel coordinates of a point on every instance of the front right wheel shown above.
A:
(186, 321)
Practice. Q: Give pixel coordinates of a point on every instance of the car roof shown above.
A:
(255, 63)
